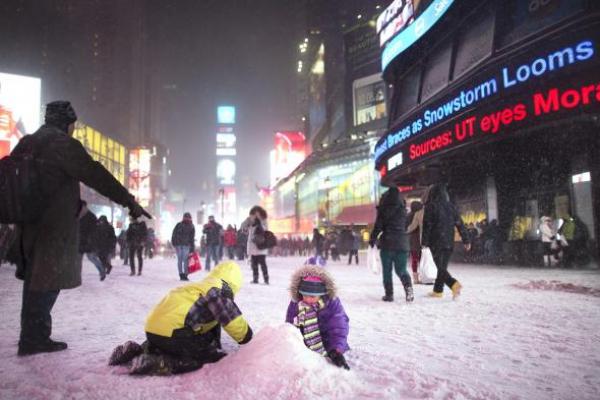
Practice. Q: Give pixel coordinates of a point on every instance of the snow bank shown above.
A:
(558, 287)
(276, 364)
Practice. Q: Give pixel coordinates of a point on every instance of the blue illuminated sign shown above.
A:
(414, 31)
(226, 115)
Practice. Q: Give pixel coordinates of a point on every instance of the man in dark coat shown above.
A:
(49, 257)
(183, 240)
(136, 239)
(105, 242)
(318, 242)
(213, 233)
(439, 221)
(87, 230)
(393, 244)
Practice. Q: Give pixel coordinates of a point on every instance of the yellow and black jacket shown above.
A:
(203, 305)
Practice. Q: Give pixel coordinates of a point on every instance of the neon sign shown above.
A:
(508, 79)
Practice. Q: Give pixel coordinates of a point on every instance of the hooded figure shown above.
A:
(317, 311)
(48, 257)
(439, 221)
(184, 328)
(393, 243)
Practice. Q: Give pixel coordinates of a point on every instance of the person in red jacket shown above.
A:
(230, 239)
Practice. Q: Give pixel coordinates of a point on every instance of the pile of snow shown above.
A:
(558, 287)
(277, 363)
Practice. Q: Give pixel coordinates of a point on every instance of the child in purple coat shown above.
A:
(318, 313)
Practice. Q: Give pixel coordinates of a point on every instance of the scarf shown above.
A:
(308, 322)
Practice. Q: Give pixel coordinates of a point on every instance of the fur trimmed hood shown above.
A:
(314, 271)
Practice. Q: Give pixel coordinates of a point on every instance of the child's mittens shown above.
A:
(299, 319)
(338, 359)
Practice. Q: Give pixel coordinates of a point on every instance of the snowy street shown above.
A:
(509, 336)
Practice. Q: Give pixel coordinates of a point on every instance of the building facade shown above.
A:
(500, 100)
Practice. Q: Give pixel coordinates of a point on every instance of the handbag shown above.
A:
(427, 268)
(374, 259)
(194, 264)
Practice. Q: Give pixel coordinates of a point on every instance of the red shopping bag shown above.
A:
(194, 262)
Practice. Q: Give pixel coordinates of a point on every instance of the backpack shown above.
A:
(263, 238)
(22, 199)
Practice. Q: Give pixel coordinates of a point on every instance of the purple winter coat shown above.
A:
(333, 323)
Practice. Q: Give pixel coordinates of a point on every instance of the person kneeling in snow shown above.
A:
(318, 313)
(184, 329)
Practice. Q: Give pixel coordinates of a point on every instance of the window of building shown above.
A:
(437, 70)
(406, 92)
(475, 41)
(521, 18)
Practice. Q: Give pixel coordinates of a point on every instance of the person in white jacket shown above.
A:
(548, 235)
(256, 222)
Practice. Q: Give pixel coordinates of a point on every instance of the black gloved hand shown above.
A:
(338, 359)
(136, 211)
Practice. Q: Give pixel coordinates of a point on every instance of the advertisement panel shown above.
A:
(289, 152)
(139, 175)
(226, 171)
(19, 109)
(103, 149)
(226, 144)
(408, 36)
(394, 19)
(369, 99)
(226, 115)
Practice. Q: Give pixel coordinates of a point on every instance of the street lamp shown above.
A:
(328, 188)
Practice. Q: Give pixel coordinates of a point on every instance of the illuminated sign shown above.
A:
(226, 115)
(289, 152)
(110, 153)
(394, 19)
(226, 171)
(369, 99)
(19, 109)
(508, 78)
(139, 175)
(414, 31)
(226, 144)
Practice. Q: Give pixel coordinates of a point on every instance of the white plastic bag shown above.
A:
(374, 259)
(427, 268)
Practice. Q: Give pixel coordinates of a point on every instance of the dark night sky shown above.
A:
(225, 52)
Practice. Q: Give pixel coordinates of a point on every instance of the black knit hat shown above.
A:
(312, 286)
(60, 114)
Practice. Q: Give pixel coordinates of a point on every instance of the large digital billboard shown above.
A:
(289, 152)
(226, 171)
(19, 109)
(394, 19)
(226, 144)
(317, 109)
(226, 115)
(139, 175)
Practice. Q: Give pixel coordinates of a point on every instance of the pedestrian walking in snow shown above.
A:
(123, 251)
(316, 310)
(414, 230)
(230, 241)
(439, 220)
(87, 227)
(354, 247)
(104, 242)
(393, 244)
(318, 242)
(212, 232)
(48, 258)
(257, 222)
(136, 238)
(548, 236)
(183, 330)
(183, 240)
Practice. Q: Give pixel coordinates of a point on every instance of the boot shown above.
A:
(124, 353)
(389, 292)
(408, 289)
(456, 288)
(47, 346)
(185, 277)
(181, 277)
(149, 364)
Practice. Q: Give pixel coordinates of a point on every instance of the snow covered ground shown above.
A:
(514, 334)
